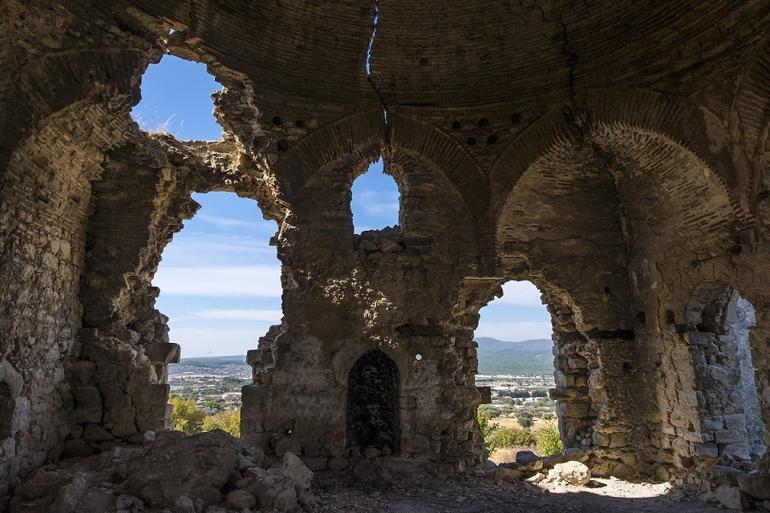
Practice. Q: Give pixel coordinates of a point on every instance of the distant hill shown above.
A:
(213, 361)
(530, 357)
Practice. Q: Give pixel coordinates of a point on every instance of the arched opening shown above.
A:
(374, 199)
(372, 422)
(176, 100)
(516, 360)
(220, 288)
(7, 410)
(719, 320)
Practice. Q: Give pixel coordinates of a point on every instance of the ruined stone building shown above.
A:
(613, 153)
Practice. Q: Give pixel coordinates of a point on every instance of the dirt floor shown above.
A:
(482, 495)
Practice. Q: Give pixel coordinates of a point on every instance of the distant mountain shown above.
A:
(531, 357)
(213, 361)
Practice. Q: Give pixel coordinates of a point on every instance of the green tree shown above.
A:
(549, 441)
(510, 438)
(226, 420)
(525, 418)
(186, 415)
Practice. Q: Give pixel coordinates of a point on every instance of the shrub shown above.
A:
(226, 420)
(510, 437)
(549, 441)
(186, 415)
(525, 418)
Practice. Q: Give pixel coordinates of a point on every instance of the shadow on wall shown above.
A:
(373, 427)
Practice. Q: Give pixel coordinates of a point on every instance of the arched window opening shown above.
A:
(374, 199)
(373, 426)
(515, 358)
(7, 410)
(176, 100)
(719, 321)
(220, 287)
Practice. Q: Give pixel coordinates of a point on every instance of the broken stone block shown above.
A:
(732, 498)
(754, 485)
(571, 472)
(293, 468)
(163, 352)
(241, 499)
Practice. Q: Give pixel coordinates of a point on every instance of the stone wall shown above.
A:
(618, 189)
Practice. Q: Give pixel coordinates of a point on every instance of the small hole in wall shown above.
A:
(492, 139)
(516, 118)
(423, 61)
(627, 367)
(299, 123)
(456, 125)
(283, 145)
(483, 122)
(277, 121)
(471, 141)
(641, 317)
(418, 357)
(670, 317)
(607, 291)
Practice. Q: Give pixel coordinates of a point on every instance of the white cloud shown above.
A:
(227, 222)
(201, 247)
(514, 330)
(380, 208)
(520, 293)
(231, 281)
(239, 314)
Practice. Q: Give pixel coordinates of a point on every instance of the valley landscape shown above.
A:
(207, 390)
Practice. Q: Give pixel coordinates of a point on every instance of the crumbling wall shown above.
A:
(347, 294)
(44, 205)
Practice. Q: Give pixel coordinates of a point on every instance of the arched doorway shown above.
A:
(372, 426)
(719, 320)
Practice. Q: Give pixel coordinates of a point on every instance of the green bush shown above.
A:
(548, 441)
(509, 437)
(187, 417)
(525, 418)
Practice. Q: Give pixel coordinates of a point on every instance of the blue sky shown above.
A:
(219, 277)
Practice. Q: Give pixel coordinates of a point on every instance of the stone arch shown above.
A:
(372, 411)
(730, 422)
(428, 143)
(113, 82)
(676, 122)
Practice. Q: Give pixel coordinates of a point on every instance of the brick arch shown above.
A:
(749, 122)
(107, 75)
(364, 136)
(428, 143)
(675, 122)
(356, 138)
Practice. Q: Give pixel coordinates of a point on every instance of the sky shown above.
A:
(219, 277)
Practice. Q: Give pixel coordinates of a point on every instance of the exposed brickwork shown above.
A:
(616, 156)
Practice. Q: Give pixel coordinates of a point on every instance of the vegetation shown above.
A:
(227, 420)
(546, 440)
(549, 441)
(190, 419)
(525, 418)
(510, 437)
(187, 417)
